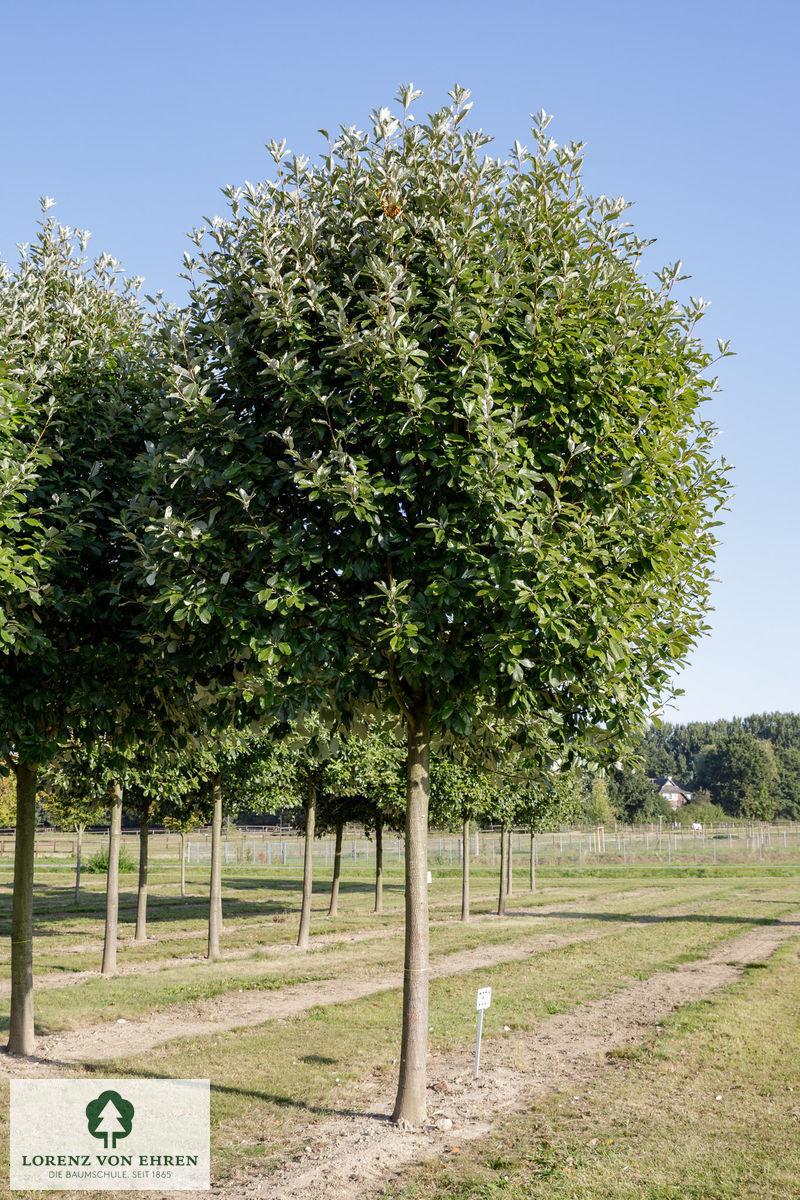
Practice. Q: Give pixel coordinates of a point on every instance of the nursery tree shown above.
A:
(365, 782)
(547, 800)
(435, 442)
(73, 798)
(294, 775)
(597, 809)
(159, 783)
(461, 793)
(75, 360)
(185, 812)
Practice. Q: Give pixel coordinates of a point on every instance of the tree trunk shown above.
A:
(501, 901)
(533, 861)
(305, 909)
(183, 865)
(410, 1106)
(465, 872)
(79, 830)
(510, 861)
(20, 1034)
(333, 907)
(215, 893)
(378, 864)
(141, 898)
(112, 884)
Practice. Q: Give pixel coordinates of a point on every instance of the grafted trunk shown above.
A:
(501, 900)
(79, 830)
(533, 861)
(305, 909)
(410, 1105)
(215, 896)
(465, 872)
(333, 907)
(141, 896)
(112, 884)
(378, 864)
(20, 1034)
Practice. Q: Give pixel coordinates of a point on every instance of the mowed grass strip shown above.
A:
(132, 995)
(272, 1085)
(707, 1108)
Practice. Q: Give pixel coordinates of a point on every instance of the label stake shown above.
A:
(484, 1002)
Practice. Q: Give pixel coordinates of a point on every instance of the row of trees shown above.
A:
(321, 785)
(422, 447)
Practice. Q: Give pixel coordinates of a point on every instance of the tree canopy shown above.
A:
(433, 442)
(739, 775)
(434, 431)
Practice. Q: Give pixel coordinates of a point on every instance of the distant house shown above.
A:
(675, 793)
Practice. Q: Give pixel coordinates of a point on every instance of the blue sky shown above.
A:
(133, 116)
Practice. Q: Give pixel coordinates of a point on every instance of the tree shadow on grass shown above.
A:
(276, 1098)
(654, 918)
(165, 909)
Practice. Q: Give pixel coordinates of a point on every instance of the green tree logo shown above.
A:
(109, 1117)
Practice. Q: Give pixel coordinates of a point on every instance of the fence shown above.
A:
(624, 846)
(743, 843)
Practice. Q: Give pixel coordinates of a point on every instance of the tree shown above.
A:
(216, 767)
(634, 797)
(788, 785)
(296, 772)
(461, 794)
(738, 774)
(159, 784)
(364, 783)
(75, 359)
(546, 802)
(434, 443)
(72, 800)
(184, 813)
(504, 809)
(597, 809)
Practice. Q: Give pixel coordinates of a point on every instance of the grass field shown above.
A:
(707, 1110)
(652, 1127)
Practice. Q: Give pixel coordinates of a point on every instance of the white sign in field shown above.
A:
(484, 1002)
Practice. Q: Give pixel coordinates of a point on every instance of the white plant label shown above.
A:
(484, 998)
(430, 877)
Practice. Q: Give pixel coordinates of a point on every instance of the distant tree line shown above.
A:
(745, 767)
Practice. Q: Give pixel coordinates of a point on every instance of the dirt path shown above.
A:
(527, 904)
(231, 927)
(349, 1157)
(121, 1038)
(276, 950)
(236, 1010)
